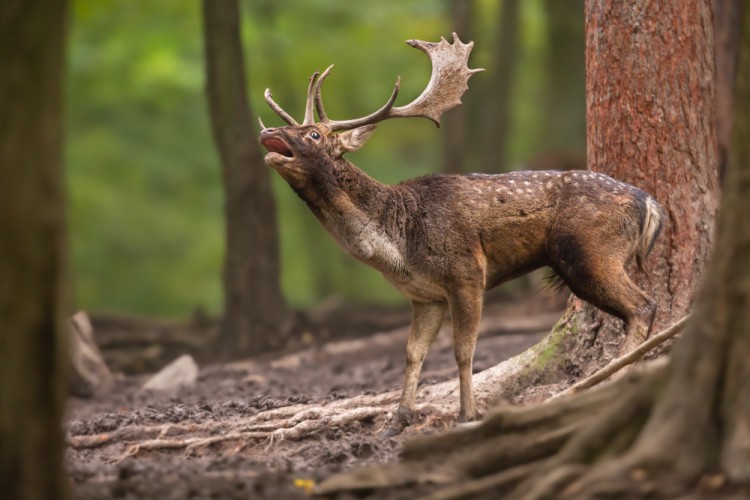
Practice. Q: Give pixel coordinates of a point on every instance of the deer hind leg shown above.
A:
(466, 311)
(605, 284)
(426, 321)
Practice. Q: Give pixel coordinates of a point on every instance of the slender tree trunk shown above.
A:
(498, 92)
(727, 28)
(254, 308)
(32, 250)
(455, 122)
(309, 234)
(564, 124)
(650, 122)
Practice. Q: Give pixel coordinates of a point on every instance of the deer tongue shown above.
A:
(277, 145)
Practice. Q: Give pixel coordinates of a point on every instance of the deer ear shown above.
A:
(352, 140)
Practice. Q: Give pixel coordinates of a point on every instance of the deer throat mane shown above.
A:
(361, 227)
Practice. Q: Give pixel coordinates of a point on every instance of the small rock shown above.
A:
(182, 371)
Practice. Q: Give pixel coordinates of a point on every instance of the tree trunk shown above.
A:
(727, 28)
(498, 92)
(706, 406)
(455, 121)
(650, 122)
(33, 342)
(254, 307)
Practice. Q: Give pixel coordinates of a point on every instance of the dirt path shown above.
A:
(226, 396)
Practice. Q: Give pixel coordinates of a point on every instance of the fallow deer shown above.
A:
(443, 240)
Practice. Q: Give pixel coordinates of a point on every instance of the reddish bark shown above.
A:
(651, 122)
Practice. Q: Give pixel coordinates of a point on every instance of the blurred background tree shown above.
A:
(33, 250)
(254, 307)
(145, 184)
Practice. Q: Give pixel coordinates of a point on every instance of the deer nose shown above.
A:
(266, 132)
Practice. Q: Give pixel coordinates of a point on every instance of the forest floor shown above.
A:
(106, 462)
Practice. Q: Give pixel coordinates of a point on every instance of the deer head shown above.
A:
(297, 149)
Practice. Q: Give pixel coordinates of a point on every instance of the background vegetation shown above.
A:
(145, 191)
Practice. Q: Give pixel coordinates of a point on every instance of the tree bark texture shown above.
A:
(706, 408)
(651, 123)
(727, 29)
(33, 341)
(254, 307)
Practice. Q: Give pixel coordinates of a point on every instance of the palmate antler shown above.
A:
(449, 81)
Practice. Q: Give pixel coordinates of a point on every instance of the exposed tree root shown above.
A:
(541, 432)
(533, 452)
(298, 426)
(618, 364)
(438, 402)
(499, 482)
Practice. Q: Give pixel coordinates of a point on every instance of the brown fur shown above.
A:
(443, 240)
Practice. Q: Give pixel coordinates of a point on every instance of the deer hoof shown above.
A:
(400, 421)
(464, 418)
(391, 431)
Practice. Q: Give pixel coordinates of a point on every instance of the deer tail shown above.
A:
(650, 230)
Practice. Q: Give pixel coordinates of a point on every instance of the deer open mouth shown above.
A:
(278, 146)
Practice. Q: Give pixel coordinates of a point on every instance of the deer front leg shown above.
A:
(466, 310)
(427, 317)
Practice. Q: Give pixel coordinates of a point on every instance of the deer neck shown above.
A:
(366, 217)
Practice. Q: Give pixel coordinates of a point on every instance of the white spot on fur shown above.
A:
(566, 179)
(549, 185)
(519, 191)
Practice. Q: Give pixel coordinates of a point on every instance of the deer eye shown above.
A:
(315, 135)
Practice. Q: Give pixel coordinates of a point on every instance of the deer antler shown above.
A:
(448, 82)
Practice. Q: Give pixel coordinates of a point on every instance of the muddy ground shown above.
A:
(229, 393)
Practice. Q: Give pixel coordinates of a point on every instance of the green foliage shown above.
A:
(145, 187)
